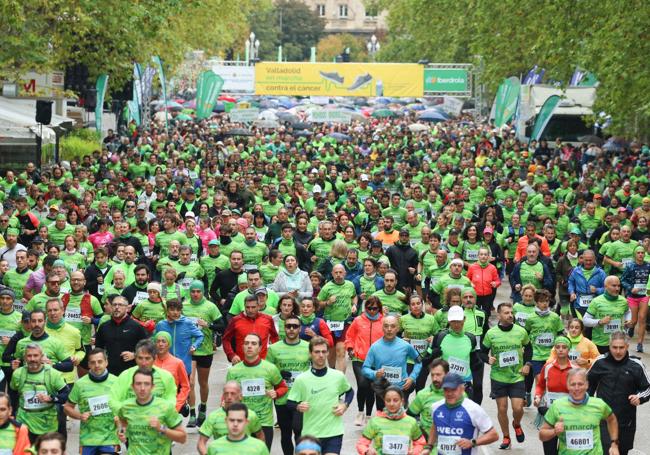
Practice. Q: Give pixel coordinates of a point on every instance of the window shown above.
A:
(372, 12)
(320, 9)
(343, 11)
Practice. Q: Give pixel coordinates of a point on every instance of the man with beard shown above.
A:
(137, 291)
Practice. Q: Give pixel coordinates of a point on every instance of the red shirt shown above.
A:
(242, 325)
(481, 277)
(552, 378)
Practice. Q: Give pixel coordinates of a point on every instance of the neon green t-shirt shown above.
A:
(508, 348)
(291, 360)
(143, 439)
(246, 446)
(392, 436)
(255, 380)
(215, 425)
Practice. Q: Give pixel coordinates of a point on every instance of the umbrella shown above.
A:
(384, 113)
(416, 107)
(340, 137)
(433, 115)
(190, 104)
(219, 107)
(227, 98)
(303, 133)
(382, 100)
(358, 116)
(591, 139)
(183, 117)
(267, 103)
(239, 132)
(287, 117)
(267, 115)
(301, 126)
(266, 124)
(417, 127)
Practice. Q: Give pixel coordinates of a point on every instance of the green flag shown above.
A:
(102, 84)
(506, 101)
(588, 80)
(163, 85)
(545, 114)
(208, 88)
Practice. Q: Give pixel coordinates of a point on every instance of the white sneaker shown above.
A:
(359, 419)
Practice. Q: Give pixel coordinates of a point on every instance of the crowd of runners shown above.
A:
(379, 248)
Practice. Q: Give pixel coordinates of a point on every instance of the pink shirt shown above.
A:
(100, 239)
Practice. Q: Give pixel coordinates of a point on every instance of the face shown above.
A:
(319, 356)
(390, 281)
(120, 308)
(236, 422)
(144, 359)
(306, 307)
(34, 359)
(588, 260)
(38, 324)
(505, 315)
(469, 300)
(618, 349)
(483, 256)
(292, 329)
(77, 282)
(97, 364)
(251, 347)
(613, 286)
(456, 326)
(391, 327)
(54, 312)
(173, 314)
(290, 263)
(162, 345)
(453, 395)
(236, 261)
(531, 253)
(142, 386)
(338, 273)
(415, 307)
(53, 285)
(141, 277)
(393, 401)
(577, 386)
(5, 410)
(51, 447)
(561, 350)
(437, 375)
(542, 304)
(456, 269)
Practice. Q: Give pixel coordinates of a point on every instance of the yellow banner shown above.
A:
(339, 79)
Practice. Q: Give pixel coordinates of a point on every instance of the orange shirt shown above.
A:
(175, 366)
(522, 244)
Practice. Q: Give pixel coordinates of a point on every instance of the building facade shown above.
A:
(349, 16)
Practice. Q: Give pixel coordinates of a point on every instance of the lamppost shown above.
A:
(252, 48)
(373, 47)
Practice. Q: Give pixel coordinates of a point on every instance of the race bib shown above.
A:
(99, 405)
(193, 257)
(248, 267)
(419, 345)
(146, 250)
(73, 315)
(544, 339)
(392, 374)
(627, 262)
(253, 387)
(32, 403)
(612, 326)
(395, 444)
(458, 366)
(73, 267)
(19, 306)
(550, 397)
(639, 287)
(574, 354)
(508, 359)
(335, 326)
(447, 445)
(186, 282)
(521, 318)
(6, 451)
(7, 333)
(580, 439)
(471, 255)
(413, 242)
(589, 233)
(100, 289)
(585, 300)
(292, 379)
(140, 297)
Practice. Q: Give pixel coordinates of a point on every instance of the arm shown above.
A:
(227, 341)
(363, 444)
(590, 321)
(368, 364)
(612, 429)
(306, 288)
(197, 337)
(176, 434)
(326, 333)
(183, 386)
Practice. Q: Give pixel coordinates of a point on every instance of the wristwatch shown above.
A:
(474, 444)
(163, 428)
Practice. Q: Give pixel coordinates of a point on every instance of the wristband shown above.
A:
(614, 441)
(428, 447)
(162, 430)
(474, 444)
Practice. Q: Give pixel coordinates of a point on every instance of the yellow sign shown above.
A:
(339, 79)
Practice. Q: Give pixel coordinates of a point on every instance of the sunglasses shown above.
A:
(291, 326)
(372, 308)
(54, 282)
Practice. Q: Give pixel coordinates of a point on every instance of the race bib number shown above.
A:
(585, 300)
(612, 326)
(186, 282)
(193, 257)
(140, 297)
(508, 359)
(7, 333)
(544, 339)
(248, 267)
(99, 405)
(19, 305)
(146, 250)
(335, 326)
(552, 396)
(447, 445)
(72, 315)
(589, 233)
(392, 374)
(100, 289)
(627, 262)
(640, 288)
(6, 451)
(253, 387)
(580, 439)
(574, 355)
(521, 318)
(420, 345)
(395, 444)
(471, 255)
(458, 366)
(73, 267)
(32, 403)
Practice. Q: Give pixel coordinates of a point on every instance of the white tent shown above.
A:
(19, 115)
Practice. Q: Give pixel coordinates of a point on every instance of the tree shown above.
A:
(332, 45)
(607, 37)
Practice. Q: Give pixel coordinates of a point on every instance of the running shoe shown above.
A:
(639, 347)
(519, 432)
(529, 400)
(505, 445)
(332, 77)
(358, 420)
(192, 422)
(360, 81)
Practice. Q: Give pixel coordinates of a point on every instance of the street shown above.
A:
(531, 446)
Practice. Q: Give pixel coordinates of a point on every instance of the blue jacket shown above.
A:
(391, 354)
(185, 334)
(548, 281)
(579, 285)
(635, 274)
(379, 283)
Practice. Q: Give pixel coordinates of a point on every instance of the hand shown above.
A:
(493, 284)
(15, 364)
(581, 362)
(5, 340)
(84, 416)
(201, 323)
(354, 309)
(525, 370)
(613, 449)
(293, 293)
(309, 332)
(46, 360)
(572, 297)
(492, 360)
(363, 296)
(539, 276)
(303, 407)
(44, 397)
(411, 270)
(408, 383)
(559, 426)
(379, 373)
(634, 400)
(192, 349)
(339, 409)
(121, 435)
(464, 443)
(629, 324)
(75, 361)
(537, 400)
(154, 423)
(605, 320)
(86, 320)
(371, 451)
(592, 289)
(517, 287)
(331, 300)
(127, 356)
(272, 394)
(235, 360)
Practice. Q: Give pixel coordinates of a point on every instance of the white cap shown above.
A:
(190, 214)
(316, 189)
(364, 177)
(455, 313)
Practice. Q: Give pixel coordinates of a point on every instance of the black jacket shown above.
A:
(402, 257)
(614, 381)
(132, 290)
(92, 272)
(116, 338)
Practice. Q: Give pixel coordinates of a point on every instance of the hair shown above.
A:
(503, 305)
(143, 371)
(142, 267)
(395, 389)
(252, 272)
(576, 371)
(526, 287)
(374, 300)
(292, 317)
(174, 304)
(449, 293)
(619, 336)
(579, 321)
(307, 438)
(96, 351)
(317, 341)
(53, 436)
(542, 294)
(55, 299)
(33, 346)
(251, 298)
(237, 407)
(259, 338)
(295, 308)
(147, 346)
(339, 249)
(439, 362)
(36, 311)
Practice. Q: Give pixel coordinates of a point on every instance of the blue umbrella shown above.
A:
(219, 107)
(416, 107)
(433, 115)
(383, 100)
(340, 137)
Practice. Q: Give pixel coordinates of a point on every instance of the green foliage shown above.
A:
(78, 144)
(289, 23)
(607, 37)
(332, 45)
(87, 134)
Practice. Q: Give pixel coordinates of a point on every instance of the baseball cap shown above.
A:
(54, 207)
(575, 230)
(404, 232)
(37, 239)
(214, 242)
(488, 230)
(598, 196)
(375, 244)
(154, 287)
(455, 313)
(142, 206)
(364, 178)
(26, 316)
(316, 189)
(190, 214)
(259, 291)
(452, 381)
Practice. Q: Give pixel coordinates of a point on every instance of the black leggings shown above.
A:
(477, 384)
(290, 423)
(421, 380)
(486, 303)
(268, 436)
(365, 394)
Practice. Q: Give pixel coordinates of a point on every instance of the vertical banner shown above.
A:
(163, 86)
(545, 114)
(134, 105)
(102, 84)
(208, 88)
(506, 101)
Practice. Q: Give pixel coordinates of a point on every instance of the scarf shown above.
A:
(572, 256)
(395, 415)
(55, 326)
(100, 378)
(371, 317)
(307, 320)
(542, 313)
(583, 401)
